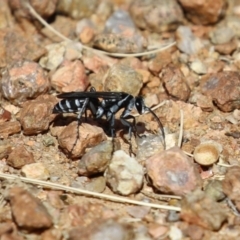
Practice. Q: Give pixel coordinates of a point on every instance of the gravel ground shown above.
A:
(177, 177)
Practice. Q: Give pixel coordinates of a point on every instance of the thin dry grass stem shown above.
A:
(44, 23)
(169, 196)
(85, 192)
(226, 165)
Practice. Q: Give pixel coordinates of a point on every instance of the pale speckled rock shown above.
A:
(198, 209)
(221, 35)
(124, 174)
(97, 159)
(187, 42)
(58, 52)
(148, 145)
(97, 184)
(117, 43)
(120, 35)
(35, 171)
(23, 80)
(172, 171)
(123, 78)
(77, 9)
(231, 185)
(157, 16)
(214, 190)
(28, 211)
(99, 230)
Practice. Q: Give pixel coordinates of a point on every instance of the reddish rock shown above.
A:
(70, 77)
(123, 78)
(7, 227)
(9, 128)
(36, 115)
(172, 171)
(195, 232)
(223, 89)
(82, 215)
(86, 35)
(97, 63)
(5, 115)
(20, 157)
(204, 11)
(85, 30)
(11, 236)
(175, 83)
(157, 16)
(28, 211)
(159, 62)
(198, 209)
(231, 185)
(23, 80)
(89, 136)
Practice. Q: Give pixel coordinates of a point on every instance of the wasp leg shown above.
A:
(82, 110)
(131, 128)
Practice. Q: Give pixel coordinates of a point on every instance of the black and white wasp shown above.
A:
(105, 104)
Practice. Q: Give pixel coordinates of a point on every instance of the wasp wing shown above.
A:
(104, 95)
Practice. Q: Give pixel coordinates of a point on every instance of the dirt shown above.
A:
(65, 179)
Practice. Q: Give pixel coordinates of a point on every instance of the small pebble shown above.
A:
(198, 67)
(35, 171)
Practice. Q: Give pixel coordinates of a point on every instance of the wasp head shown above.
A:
(140, 105)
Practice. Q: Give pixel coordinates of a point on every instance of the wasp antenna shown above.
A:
(160, 125)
